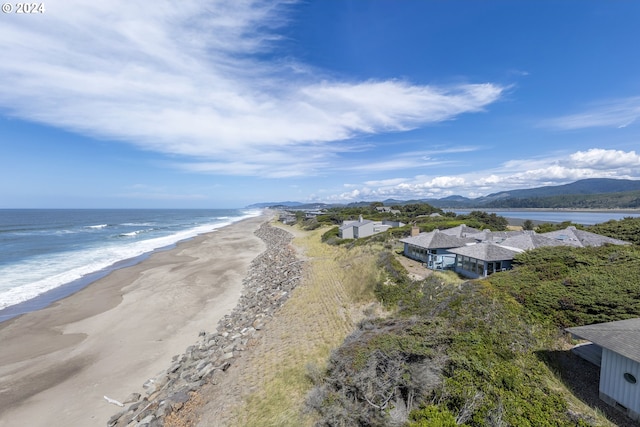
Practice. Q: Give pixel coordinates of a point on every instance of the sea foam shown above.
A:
(27, 279)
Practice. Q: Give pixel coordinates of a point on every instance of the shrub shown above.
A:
(576, 286)
(432, 416)
(333, 232)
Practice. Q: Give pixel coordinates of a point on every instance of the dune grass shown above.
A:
(339, 283)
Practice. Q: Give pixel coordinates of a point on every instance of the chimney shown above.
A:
(361, 220)
(415, 231)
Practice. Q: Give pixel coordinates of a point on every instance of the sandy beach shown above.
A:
(58, 364)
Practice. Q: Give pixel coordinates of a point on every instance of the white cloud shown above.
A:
(190, 79)
(597, 158)
(514, 174)
(399, 161)
(616, 113)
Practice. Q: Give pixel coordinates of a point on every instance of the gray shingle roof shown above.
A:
(574, 237)
(527, 241)
(436, 240)
(494, 236)
(486, 251)
(460, 231)
(349, 224)
(622, 336)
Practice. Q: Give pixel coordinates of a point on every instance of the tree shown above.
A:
(527, 225)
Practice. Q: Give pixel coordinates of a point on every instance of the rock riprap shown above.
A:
(271, 278)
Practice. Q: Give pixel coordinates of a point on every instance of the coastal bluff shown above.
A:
(272, 276)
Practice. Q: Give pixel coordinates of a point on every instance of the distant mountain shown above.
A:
(584, 186)
(592, 193)
(586, 193)
(273, 204)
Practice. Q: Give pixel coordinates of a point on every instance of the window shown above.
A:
(630, 378)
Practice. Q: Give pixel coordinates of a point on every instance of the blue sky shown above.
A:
(222, 104)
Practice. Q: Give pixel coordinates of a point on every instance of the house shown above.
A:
(433, 247)
(388, 209)
(493, 250)
(482, 259)
(355, 229)
(364, 228)
(615, 348)
(496, 251)
(287, 218)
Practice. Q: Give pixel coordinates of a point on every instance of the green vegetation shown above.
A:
(627, 229)
(465, 354)
(477, 353)
(416, 214)
(621, 200)
(576, 286)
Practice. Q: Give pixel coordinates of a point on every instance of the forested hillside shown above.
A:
(623, 200)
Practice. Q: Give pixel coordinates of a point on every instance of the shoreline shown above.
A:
(108, 338)
(213, 360)
(50, 296)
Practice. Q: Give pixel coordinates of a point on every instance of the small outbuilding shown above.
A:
(618, 345)
(365, 228)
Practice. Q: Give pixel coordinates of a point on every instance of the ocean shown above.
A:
(47, 254)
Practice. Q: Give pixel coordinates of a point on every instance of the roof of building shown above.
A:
(363, 222)
(436, 240)
(622, 336)
(531, 240)
(350, 224)
(487, 251)
(460, 231)
(494, 236)
(347, 224)
(574, 237)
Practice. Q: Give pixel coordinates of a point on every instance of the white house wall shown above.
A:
(614, 389)
(364, 230)
(346, 233)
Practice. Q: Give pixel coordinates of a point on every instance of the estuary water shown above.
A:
(576, 217)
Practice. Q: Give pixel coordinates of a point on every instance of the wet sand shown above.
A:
(58, 363)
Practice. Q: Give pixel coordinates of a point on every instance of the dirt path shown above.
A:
(416, 270)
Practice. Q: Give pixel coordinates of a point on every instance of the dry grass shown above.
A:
(321, 312)
(187, 417)
(449, 277)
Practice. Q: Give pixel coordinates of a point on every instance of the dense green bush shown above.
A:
(576, 286)
(469, 354)
(493, 371)
(627, 229)
(464, 354)
(432, 416)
